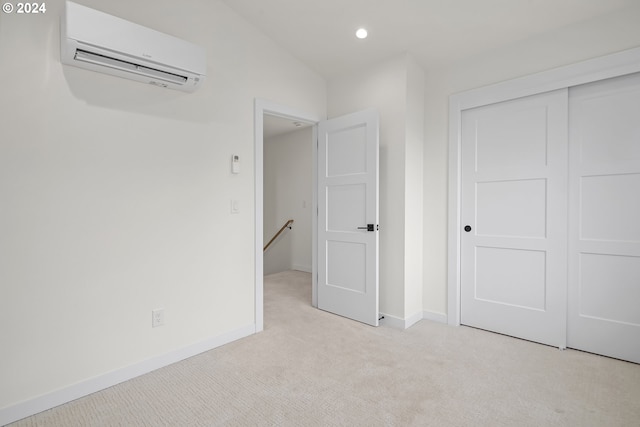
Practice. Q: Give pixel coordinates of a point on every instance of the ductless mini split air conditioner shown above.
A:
(100, 42)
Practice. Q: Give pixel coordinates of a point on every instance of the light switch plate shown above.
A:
(235, 206)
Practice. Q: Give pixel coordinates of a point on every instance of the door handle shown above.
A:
(369, 227)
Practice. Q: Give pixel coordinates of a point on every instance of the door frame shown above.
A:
(262, 107)
(609, 66)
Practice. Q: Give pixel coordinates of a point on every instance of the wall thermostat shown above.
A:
(235, 164)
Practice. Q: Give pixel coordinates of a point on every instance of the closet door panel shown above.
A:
(513, 257)
(604, 218)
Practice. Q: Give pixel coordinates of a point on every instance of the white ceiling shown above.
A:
(436, 32)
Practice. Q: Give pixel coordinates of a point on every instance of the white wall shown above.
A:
(579, 42)
(288, 171)
(413, 232)
(391, 87)
(115, 196)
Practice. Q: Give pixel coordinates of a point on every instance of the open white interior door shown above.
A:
(348, 216)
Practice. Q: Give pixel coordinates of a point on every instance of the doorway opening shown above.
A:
(287, 189)
(268, 119)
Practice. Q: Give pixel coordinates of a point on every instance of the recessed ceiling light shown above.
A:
(361, 33)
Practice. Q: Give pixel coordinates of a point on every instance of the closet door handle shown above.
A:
(369, 227)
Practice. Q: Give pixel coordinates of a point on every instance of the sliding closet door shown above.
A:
(514, 213)
(604, 221)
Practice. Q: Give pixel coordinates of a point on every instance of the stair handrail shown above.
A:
(286, 225)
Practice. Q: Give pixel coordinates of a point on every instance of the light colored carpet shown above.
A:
(311, 368)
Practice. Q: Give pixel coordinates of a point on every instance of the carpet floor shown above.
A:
(312, 368)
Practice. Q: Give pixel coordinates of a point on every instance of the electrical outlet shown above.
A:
(157, 317)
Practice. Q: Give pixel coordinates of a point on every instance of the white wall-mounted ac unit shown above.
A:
(100, 42)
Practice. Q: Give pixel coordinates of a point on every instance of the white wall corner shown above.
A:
(64, 395)
(413, 319)
(305, 268)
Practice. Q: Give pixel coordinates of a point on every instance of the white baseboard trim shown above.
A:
(391, 321)
(412, 320)
(64, 395)
(398, 322)
(435, 317)
(305, 268)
